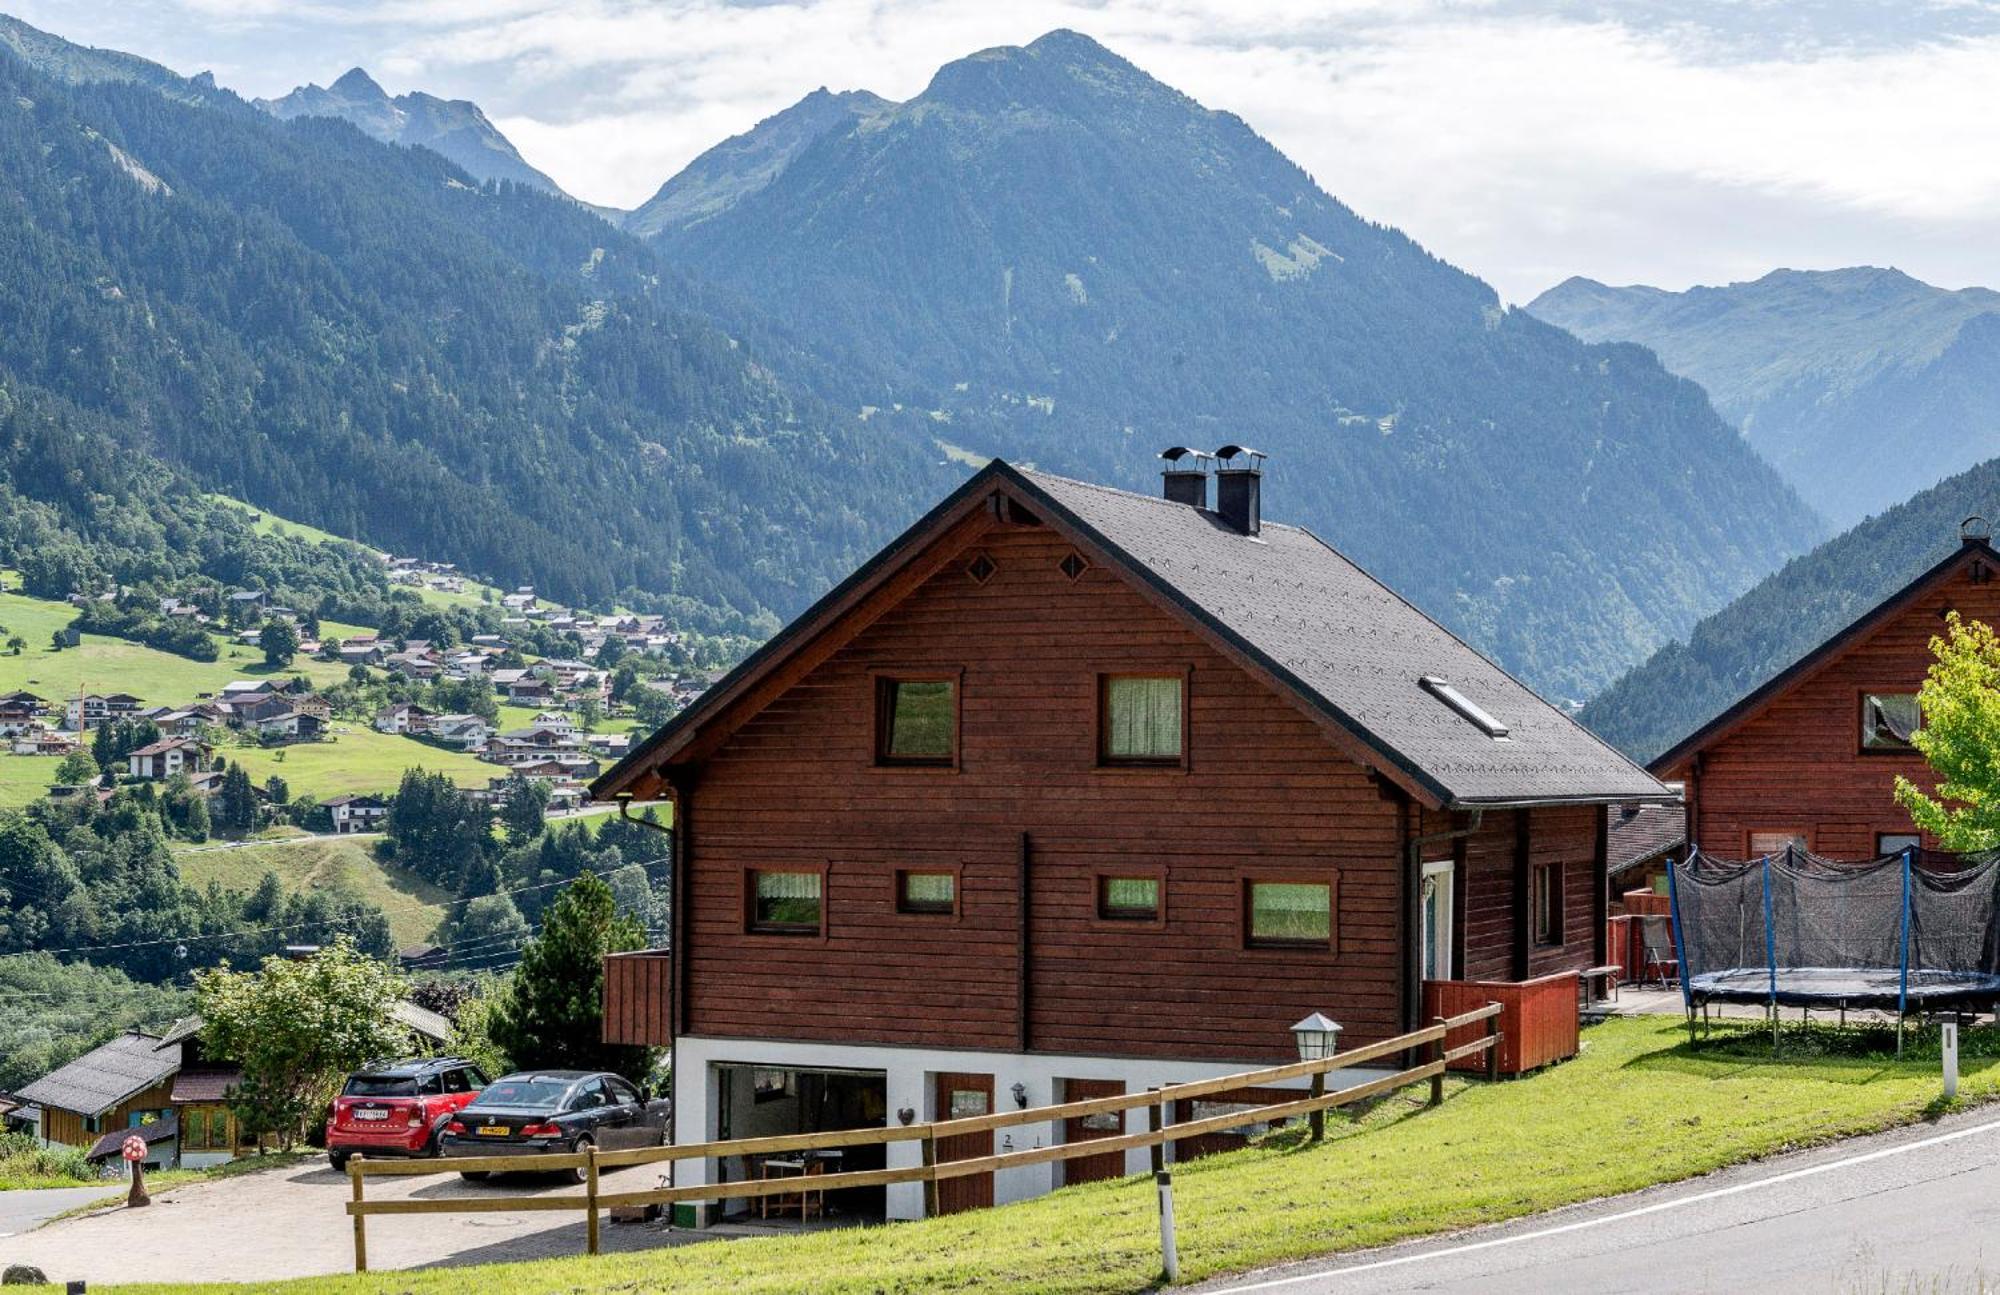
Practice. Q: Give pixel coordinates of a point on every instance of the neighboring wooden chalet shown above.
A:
(1813, 754)
(164, 1087)
(155, 1085)
(1070, 788)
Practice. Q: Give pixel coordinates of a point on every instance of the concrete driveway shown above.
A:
(290, 1222)
(1912, 1210)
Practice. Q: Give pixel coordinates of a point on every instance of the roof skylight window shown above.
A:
(1467, 709)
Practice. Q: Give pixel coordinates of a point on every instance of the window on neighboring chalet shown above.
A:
(1545, 902)
(1897, 842)
(1774, 842)
(1289, 913)
(916, 721)
(927, 892)
(1128, 899)
(1887, 720)
(1140, 719)
(785, 903)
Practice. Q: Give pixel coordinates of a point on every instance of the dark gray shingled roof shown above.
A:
(1356, 650)
(105, 1076)
(1334, 635)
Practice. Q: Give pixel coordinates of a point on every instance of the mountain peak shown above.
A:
(355, 83)
(1073, 48)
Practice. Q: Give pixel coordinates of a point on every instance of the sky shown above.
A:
(1669, 142)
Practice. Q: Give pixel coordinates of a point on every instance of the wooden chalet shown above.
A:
(1072, 789)
(1812, 755)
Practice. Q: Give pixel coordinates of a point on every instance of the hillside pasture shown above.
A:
(354, 760)
(341, 865)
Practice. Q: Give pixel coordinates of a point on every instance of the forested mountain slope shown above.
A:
(1785, 616)
(1081, 266)
(360, 337)
(1862, 386)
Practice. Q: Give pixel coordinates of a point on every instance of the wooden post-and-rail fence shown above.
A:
(1157, 1133)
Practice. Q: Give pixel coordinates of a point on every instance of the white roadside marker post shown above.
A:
(1163, 1184)
(1950, 1060)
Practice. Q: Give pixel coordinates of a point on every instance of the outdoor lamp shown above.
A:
(1318, 1037)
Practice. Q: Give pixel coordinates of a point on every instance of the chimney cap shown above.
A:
(1175, 453)
(1974, 529)
(1224, 453)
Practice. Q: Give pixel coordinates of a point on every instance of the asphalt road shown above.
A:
(20, 1211)
(1906, 1211)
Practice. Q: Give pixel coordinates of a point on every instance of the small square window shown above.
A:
(916, 721)
(1073, 565)
(1774, 842)
(1545, 903)
(785, 903)
(1897, 842)
(1888, 720)
(1140, 719)
(981, 569)
(1128, 899)
(1289, 913)
(927, 892)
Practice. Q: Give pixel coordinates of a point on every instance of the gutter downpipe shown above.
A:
(1413, 922)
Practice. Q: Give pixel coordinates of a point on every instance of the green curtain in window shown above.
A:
(1132, 894)
(929, 888)
(788, 897)
(1291, 911)
(1144, 719)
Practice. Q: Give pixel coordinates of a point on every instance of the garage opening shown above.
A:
(777, 1101)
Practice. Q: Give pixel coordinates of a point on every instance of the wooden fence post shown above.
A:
(590, 1196)
(1158, 1151)
(1317, 1119)
(1437, 1057)
(360, 1220)
(1493, 1048)
(930, 1179)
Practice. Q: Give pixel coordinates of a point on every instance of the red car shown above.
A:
(398, 1110)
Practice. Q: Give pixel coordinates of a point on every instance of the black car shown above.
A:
(544, 1112)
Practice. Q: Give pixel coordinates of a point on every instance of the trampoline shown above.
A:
(1913, 931)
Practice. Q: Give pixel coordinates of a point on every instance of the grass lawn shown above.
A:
(106, 665)
(513, 717)
(413, 907)
(356, 759)
(1635, 1109)
(25, 778)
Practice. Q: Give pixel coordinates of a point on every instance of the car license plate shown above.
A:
(494, 1130)
(371, 1115)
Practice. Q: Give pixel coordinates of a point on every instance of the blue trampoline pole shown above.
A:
(1680, 937)
(1771, 952)
(1903, 958)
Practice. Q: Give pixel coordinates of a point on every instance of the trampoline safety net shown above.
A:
(1906, 931)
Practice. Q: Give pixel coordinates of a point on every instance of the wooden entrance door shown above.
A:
(958, 1097)
(1082, 1128)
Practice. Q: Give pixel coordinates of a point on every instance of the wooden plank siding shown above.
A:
(1797, 761)
(638, 997)
(66, 1127)
(1024, 963)
(1490, 901)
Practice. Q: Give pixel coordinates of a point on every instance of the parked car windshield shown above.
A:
(380, 1086)
(524, 1092)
